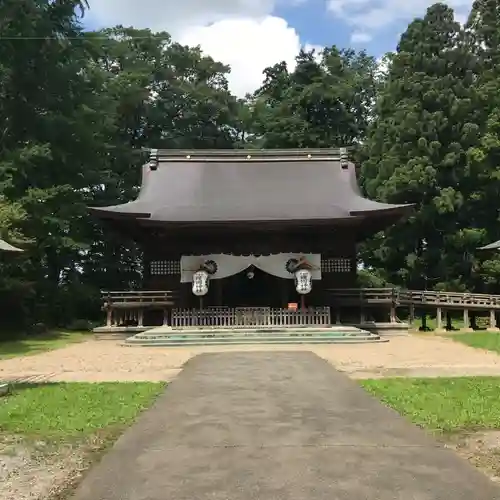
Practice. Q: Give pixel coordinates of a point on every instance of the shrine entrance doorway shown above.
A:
(255, 288)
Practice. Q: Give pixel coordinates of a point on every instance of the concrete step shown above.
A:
(238, 338)
(166, 336)
(206, 342)
(193, 336)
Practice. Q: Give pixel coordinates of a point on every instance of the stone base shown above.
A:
(386, 329)
(117, 332)
(121, 329)
(4, 388)
(204, 336)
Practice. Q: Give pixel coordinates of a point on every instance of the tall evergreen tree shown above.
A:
(324, 102)
(483, 37)
(426, 121)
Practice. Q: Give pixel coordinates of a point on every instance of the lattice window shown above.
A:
(165, 267)
(340, 265)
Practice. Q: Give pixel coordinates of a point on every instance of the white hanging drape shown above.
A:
(229, 265)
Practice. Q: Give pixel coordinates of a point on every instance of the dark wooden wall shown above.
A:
(337, 249)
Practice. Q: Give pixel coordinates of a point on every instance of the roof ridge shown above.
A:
(318, 154)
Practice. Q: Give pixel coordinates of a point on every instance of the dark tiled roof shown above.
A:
(249, 186)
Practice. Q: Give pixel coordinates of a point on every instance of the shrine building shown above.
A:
(229, 231)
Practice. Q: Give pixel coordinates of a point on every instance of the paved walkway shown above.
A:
(276, 426)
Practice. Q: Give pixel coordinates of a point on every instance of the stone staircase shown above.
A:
(168, 337)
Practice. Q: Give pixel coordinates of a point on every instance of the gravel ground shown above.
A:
(96, 361)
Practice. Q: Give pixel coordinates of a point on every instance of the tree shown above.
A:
(162, 95)
(324, 102)
(483, 37)
(50, 135)
(425, 124)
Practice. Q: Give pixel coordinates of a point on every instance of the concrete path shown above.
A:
(276, 426)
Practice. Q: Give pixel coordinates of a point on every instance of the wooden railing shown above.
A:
(351, 305)
(250, 317)
(127, 308)
(397, 297)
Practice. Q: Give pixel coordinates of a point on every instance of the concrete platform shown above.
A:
(277, 426)
(165, 336)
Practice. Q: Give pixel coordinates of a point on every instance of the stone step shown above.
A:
(182, 336)
(165, 336)
(252, 339)
(302, 341)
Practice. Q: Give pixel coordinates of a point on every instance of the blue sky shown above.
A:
(250, 35)
(318, 27)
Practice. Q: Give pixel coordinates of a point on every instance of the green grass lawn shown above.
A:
(443, 404)
(74, 410)
(40, 343)
(482, 340)
(67, 426)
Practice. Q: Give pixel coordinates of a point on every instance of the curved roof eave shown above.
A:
(7, 247)
(383, 209)
(116, 211)
(491, 246)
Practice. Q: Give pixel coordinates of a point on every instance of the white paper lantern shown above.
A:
(303, 281)
(200, 283)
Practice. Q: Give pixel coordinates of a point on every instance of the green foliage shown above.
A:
(324, 102)
(77, 107)
(111, 93)
(418, 150)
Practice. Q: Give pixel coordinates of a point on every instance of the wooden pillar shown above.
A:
(284, 292)
(449, 324)
(467, 327)
(392, 314)
(140, 317)
(109, 317)
(362, 316)
(424, 321)
(493, 320)
(218, 292)
(337, 316)
(302, 302)
(439, 320)
(411, 315)
(473, 321)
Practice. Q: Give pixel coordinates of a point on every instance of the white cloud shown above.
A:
(241, 33)
(361, 37)
(368, 17)
(248, 46)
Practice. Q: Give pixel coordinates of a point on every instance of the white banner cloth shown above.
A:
(229, 265)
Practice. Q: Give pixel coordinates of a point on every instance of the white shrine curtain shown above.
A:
(229, 265)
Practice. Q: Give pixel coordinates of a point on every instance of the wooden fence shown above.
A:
(250, 317)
